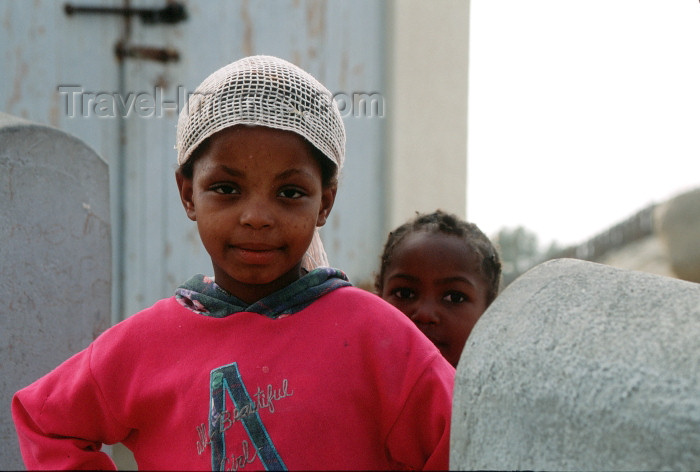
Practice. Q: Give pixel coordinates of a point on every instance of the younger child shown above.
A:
(442, 273)
(272, 363)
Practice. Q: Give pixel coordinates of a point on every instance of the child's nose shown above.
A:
(426, 312)
(256, 214)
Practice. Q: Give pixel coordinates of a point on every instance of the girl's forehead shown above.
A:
(257, 134)
(257, 142)
(428, 245)
(246, 149)
(431, 256)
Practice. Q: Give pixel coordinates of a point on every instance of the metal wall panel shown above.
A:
(155, 246)
(42, 49)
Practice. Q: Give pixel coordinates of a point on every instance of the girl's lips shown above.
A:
(255, 247)
(257, 254)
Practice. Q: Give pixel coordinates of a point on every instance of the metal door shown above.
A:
(117, 75)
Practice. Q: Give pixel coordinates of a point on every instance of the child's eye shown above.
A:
(455, 297)
(224, 189)
(291, 193)
(403, 293)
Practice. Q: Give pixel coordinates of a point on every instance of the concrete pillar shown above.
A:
(581, 366)
(55, 273)
(427, 107)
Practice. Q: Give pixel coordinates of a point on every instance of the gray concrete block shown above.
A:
(581, 366)
(55, 272)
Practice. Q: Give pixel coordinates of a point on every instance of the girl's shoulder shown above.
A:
(145, 323)
(366, 308)
(355, 297)
(380, 329)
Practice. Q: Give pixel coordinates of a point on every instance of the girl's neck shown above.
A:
(253, 292)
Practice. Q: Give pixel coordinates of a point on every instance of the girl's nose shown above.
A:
(425, 313)
(256, 214)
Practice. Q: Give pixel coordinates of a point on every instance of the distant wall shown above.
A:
(679, 229)
(660, 239)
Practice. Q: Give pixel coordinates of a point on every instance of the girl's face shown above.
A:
(434, 278)
(257, 197)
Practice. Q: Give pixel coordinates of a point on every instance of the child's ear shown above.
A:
(184, 185)
(327, 200)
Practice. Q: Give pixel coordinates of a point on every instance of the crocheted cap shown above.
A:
(263, 91)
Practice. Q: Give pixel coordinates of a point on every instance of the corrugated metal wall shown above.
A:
(62, 70)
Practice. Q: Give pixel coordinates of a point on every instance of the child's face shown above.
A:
(434, 278)
(257, 197)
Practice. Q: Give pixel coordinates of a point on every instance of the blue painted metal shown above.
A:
(155, 246)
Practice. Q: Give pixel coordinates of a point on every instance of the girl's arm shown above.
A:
(62, 419)
(428, 411)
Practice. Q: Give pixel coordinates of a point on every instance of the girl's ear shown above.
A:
(327, 200)
(184, 185)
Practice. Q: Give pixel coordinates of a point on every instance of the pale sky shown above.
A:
(580, 113)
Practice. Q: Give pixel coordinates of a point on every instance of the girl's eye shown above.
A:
(291, 193)
(455, 297)
(224, 189)
(403, 293)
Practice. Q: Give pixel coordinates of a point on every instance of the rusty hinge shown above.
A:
(146, 52)
(173, 12)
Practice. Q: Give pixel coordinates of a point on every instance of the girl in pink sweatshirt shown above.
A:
(275, 362)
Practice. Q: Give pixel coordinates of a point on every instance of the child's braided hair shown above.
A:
(442, 222)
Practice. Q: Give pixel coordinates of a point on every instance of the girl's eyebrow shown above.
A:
(408, 277)
(292, 172)
(456, 278)
(229, 170)
(283, 175)
(444, 281)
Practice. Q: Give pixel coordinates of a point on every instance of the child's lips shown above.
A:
(259, 247)
(256, 253)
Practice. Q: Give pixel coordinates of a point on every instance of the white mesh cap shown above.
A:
(263, 91)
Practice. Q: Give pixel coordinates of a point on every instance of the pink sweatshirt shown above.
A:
(346, 383)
